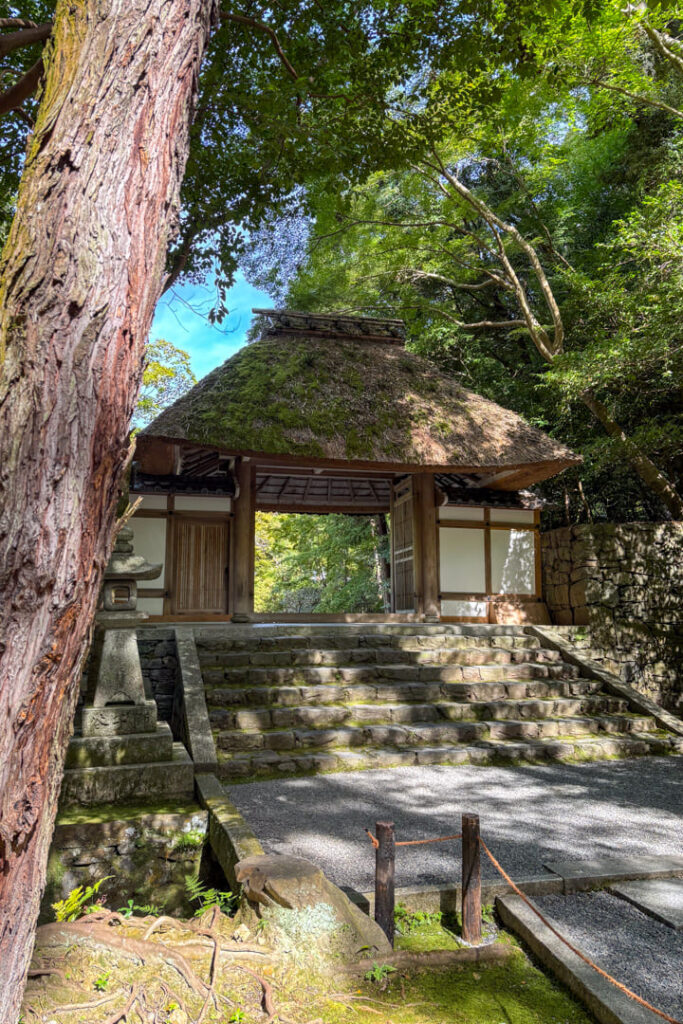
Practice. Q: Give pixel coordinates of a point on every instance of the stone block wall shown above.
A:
(625, 582)
(159, 661)
(144, 858)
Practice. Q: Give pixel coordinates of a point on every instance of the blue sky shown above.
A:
(181, 318)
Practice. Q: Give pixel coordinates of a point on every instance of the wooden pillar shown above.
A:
(426, 553)
(242, 546)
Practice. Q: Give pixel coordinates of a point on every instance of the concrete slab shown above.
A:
(661, 898)
(601, 871)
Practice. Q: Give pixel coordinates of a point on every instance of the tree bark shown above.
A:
(643, 466)
(79, 280)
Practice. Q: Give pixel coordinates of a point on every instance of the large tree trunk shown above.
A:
(79, 280)
(652, 477)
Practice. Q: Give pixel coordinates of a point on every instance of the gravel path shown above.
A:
(529, 814)
(637, 950)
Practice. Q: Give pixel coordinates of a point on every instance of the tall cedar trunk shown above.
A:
(79, 280)
(652, 477)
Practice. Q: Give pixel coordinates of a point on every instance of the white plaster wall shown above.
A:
(464, 514)
(465, 609)
(201, 503)
(511, 515)
(149, 539)
(461, 561)
(512, 562)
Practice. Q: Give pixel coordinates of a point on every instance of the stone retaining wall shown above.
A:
(147, 858)
(159, 661)
(625, 582)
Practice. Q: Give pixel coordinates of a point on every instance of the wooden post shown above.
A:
(471, 880)
(426, 496)
(384, 877)
(243, 545)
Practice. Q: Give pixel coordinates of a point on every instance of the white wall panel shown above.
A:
(461, 561)
(512, 561)
(464, 514)
(201, 503)
(512, 515)
(152, 501)
(465, 609)
(149, 539)
(151, 605)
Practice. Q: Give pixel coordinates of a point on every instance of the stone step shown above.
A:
(136, 748)
(429, 733)
(330, 715)
(268, 763)
(381, 693)
(130, 782)
(226, 641)
(305, 675)
(212, 662)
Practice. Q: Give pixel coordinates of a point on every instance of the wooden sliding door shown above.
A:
(402, 547)
(200, 566)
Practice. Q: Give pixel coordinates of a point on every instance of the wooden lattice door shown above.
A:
(402, 546)
(200, 562)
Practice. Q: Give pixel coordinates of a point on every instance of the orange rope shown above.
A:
(413, 842)
(582, 956)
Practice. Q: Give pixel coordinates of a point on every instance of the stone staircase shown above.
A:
(291, 700)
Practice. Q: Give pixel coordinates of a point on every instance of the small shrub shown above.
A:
(146, 909)
(379, 973)
(408, 921)
(102, 982)
(187, 841)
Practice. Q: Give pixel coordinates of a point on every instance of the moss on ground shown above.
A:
(123, 812)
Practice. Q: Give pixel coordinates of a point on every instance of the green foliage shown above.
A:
(193, 839)
(238, 1017)
(146, 909)
(207, 897)
(379, 973)
(77, 902)
(100, 984)
(408, 921)
(318, 563)
(167, 375)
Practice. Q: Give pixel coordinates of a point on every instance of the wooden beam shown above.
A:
(242, 547)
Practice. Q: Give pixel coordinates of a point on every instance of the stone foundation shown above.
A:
(625, 582)
(147, 855)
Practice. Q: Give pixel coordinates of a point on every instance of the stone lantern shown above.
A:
(122, 751)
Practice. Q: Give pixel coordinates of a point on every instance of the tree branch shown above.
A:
(13, 98)
(665, 52)
(241, 19)
(25, 37)
(638, 97)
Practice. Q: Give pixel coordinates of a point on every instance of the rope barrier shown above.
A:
(546, 922)
(413, 842)
(574, 949)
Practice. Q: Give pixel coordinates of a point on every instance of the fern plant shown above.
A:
(77, 902)
(207, 898)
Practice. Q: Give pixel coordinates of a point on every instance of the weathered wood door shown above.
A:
(200, 561)
(402, 547)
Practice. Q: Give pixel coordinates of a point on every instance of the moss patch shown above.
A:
(123, 812)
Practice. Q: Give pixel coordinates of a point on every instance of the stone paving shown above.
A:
(530, 814)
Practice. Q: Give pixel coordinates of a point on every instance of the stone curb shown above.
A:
(608, 1003)
(556, 642)
(424, 897)
(195, 713)
(230, 836)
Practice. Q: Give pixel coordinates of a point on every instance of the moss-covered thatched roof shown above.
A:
(355, 401)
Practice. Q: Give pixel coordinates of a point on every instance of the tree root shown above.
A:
(267, 1001)
(126, 1009)
(75, 1007)
(139, 948)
